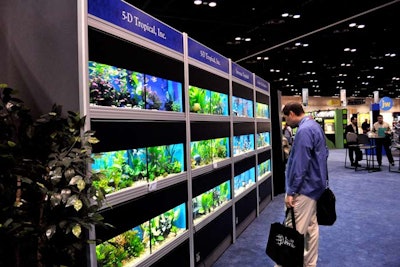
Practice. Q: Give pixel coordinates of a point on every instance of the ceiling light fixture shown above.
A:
(212, 4)
(198, 2)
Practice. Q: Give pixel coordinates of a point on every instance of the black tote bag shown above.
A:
(285, 245)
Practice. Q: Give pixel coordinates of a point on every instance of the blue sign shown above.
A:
(261, 83)
(386, 103)
(242, 73)
(136, 21)
(207, 56)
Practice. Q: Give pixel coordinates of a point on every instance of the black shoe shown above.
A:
(358, 165)
(353, 164)
(392, 163)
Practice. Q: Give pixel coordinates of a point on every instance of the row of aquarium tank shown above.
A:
(134, 167)
(117, 87)
(130, 247)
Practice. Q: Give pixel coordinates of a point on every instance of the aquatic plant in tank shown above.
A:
(263, 168)
(263, 139)
(244, 180)
(199, 100)
(122, 249)
(210, 200)
(130, 247)
(120, 169)
(200, 153)
(220, 149)
(113, 86)
(219, 104)
(164, 160)
(161, 94)
(165, 227)
(262, 110)
(243, 143)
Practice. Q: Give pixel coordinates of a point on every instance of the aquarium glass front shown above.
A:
(263, 139)
(219, 104)
(243, 144)
(244, 181)
(242, 107)
(264, 168)
(121, 169)
(200, 153)
(220, 149)
(199, 100)
(262, 110)
(209, 201)
(113, 86)
(163, 161)
(128, 248)
(161, 94)
(118, 87)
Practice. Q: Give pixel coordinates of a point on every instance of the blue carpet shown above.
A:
(365, 234)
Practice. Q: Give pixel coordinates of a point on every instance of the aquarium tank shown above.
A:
(121, 169)
(263, 139)
(113, 86)
(243, 144)
(219, 104)
(220, 149)
(161, 94)
(200, 153)
(199, 100)
(244, 180)
(209, 201)
(118, 87)
(263, 168)
(262, 110)
(242, 107)
(164, 160)
(131, 246)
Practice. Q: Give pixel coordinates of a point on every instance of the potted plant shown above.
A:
(47, 200)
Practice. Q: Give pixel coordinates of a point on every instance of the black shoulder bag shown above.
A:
(326, 206)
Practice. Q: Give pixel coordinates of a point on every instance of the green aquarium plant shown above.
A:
(198, 100)
(120, 250)
(47, 198)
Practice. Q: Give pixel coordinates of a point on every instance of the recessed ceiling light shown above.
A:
(284, 15)
(212, 4)
(352, 24)
(296, 16)
(238, 38)
(198, 2)
(247, 39)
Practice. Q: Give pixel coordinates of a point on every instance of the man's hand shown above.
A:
(289, 201)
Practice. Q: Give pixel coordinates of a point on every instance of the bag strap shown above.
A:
(292, 215)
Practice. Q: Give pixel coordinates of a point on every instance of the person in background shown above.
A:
(384, 142)
(353, 150)
(306, 174)
(287, 132)
(365, 126)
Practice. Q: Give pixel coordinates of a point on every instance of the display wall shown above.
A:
(185, 133)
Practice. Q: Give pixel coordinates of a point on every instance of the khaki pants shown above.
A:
(305, 212)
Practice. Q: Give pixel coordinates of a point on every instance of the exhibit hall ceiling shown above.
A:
(324, 46)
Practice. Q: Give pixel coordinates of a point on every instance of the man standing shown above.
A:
(306, 175)
(365, 126)
(351, 145)
(383, 129)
